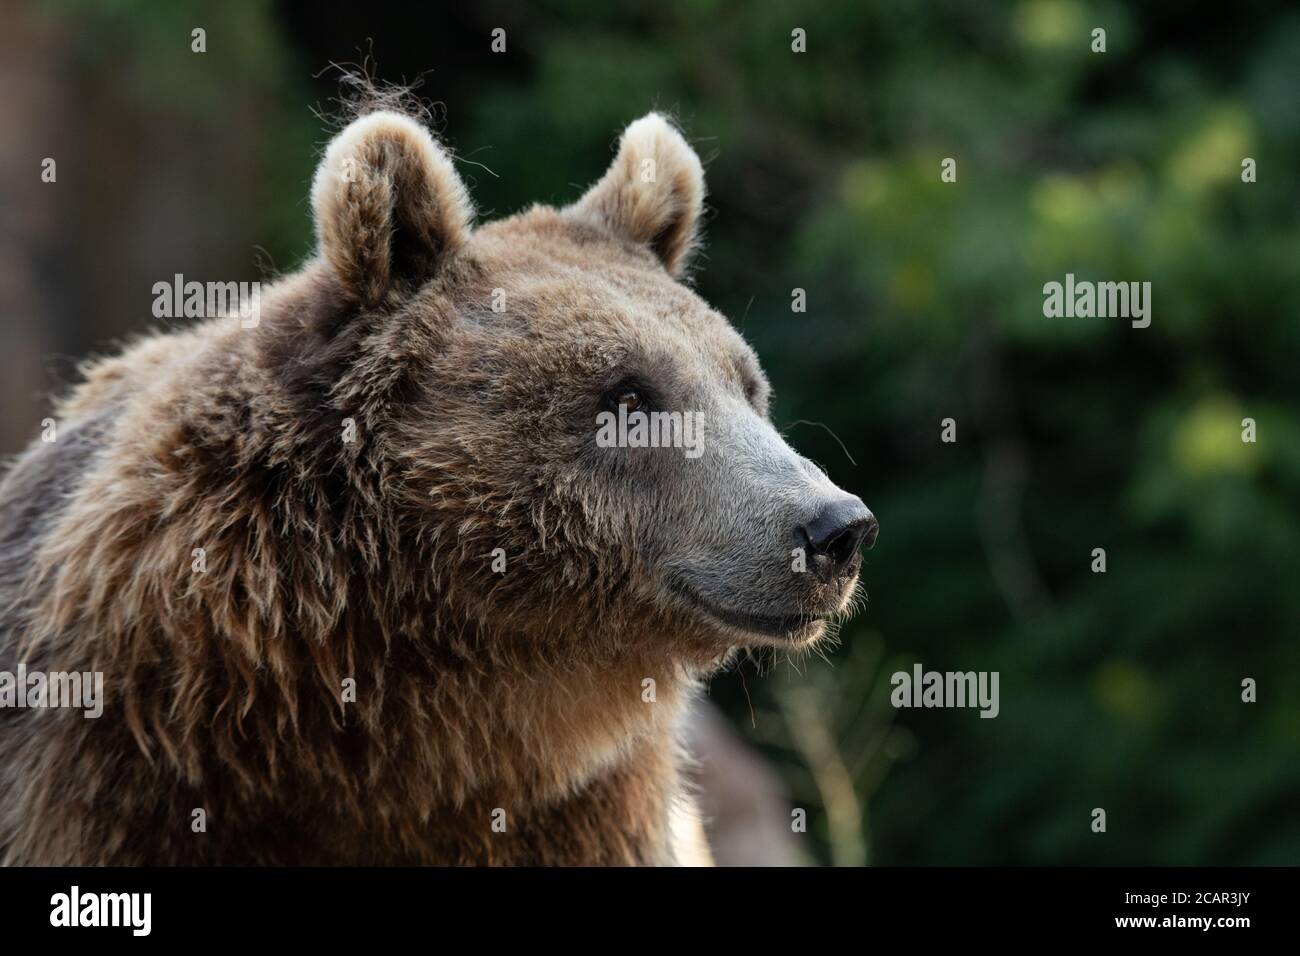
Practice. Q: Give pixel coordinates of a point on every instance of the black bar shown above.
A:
(332, 905)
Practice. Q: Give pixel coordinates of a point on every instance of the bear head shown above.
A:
(578, 443)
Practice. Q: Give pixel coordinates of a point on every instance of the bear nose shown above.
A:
(839, 530)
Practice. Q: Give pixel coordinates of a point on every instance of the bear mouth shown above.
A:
(789, 626)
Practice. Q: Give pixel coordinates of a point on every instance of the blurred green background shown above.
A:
(1119, 690)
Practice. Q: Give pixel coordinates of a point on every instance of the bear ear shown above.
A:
(653, 193)
(389, 207)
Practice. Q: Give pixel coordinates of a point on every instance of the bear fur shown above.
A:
(354, 469)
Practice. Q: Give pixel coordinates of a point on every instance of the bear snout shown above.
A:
(834, 538)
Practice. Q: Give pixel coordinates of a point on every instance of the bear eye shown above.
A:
(628, 396)
(632, 394)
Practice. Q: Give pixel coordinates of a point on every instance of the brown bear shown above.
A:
(363, 582)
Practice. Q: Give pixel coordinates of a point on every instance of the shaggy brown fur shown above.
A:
(371, 559)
